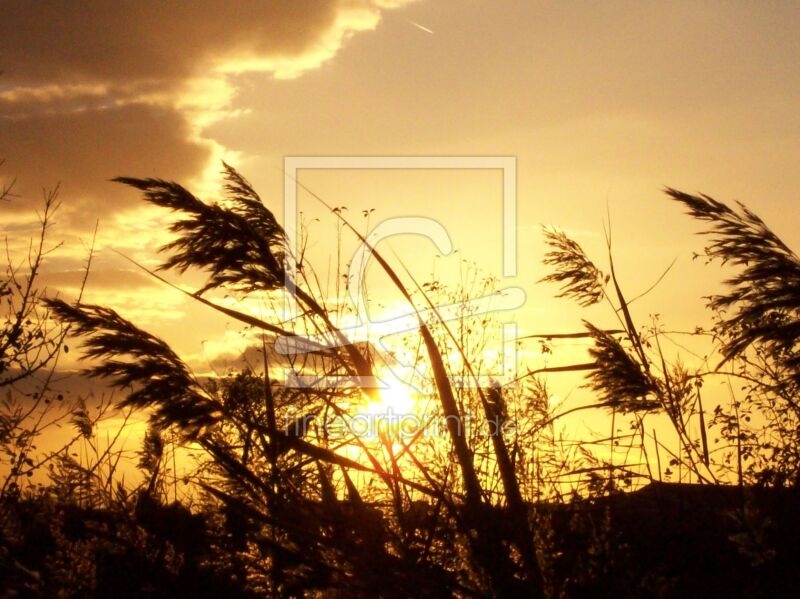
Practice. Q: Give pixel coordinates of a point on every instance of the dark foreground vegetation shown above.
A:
(275, 507)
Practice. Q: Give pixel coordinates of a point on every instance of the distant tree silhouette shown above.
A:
(29, 341)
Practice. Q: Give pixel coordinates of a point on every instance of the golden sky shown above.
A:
(601, 103)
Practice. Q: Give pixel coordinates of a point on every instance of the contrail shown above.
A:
(421, 27)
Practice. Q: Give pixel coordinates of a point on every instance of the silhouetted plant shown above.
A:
(275, 505)
(618, 378)
(258, 473)
(625, 376)
(134, 359)
(758, 325)
(577, 275)
(31, 343)
(766, 291)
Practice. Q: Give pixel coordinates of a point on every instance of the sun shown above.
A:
(394, 410)
(395, 398)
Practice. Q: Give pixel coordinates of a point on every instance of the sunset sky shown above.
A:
(602, 104)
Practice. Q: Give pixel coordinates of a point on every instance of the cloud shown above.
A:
(99, 89)
(106, 278)
(104, 40)
(83, 149)
(106, 88)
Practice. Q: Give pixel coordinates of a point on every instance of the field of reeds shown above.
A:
(685, 496)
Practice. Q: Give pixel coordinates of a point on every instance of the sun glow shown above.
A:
(394, 398)
(395, 409)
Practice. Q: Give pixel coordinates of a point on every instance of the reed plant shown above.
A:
(293, 510)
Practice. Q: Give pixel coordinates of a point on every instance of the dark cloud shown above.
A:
(102, 88)
(82, 150)
(252, 358)
(121, 40)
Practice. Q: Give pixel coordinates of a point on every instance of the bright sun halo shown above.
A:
(394, 398)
